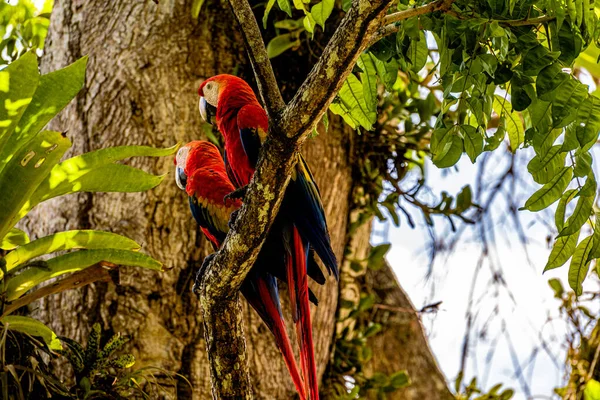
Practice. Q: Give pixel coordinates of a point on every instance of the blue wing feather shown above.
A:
(204, 218)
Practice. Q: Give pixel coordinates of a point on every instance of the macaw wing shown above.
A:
(253, 124)
(212, 219)
(230, 174)
(305, 206)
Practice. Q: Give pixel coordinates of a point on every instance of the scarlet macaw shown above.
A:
(201, 173)
(229, 102)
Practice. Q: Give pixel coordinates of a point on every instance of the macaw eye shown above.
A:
(208, 86)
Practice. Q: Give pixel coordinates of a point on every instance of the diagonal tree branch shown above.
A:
(289, 126)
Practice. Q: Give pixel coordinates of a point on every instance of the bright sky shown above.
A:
(524, 316)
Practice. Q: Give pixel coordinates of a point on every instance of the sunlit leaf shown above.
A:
(514, 125)
(543, 169)
(550, 192)
(32, 327)
(321, 11)
(74, 262)
(562, 250)
(15, 237)
(281, 43)
(66, 240)
(579, 266)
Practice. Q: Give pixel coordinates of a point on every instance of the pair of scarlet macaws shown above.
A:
(230, 103)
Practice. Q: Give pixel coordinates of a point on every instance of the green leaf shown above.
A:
(464, 199)
(321, 11)
(559, 215)
(352, 99)
(268, 8)
(95, 172)
(309, 23)
(418, 52)
(281, 43)
(67, 240)
(399, 380)
(588, 122)
(557, 287)
(550, 192)
(18, 82)
(514, 125)
(289, 24)
(196, 7)
(592, 390)
(537, 58)
(446, 147)
(579, 265)
(74, 262)
(473, 140)
(55, 91)
(543, 169)
(582, 212)
(566, 101)
(583, 164)
(387, 71)
(15, 237)
(595, 252)
(24, 173)
(377, 255)
(32, 327)
(369, 81)
(286, 7)
(563, 249)
(570, 43)
(549, 80)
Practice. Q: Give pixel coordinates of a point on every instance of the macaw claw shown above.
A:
(238, 193)
(200, 274)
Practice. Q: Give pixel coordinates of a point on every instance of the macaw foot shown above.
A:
(237, 193)
(232, 218)
(200, 274)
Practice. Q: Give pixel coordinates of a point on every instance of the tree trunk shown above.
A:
(146, 63)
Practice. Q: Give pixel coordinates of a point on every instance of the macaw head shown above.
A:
(223, 94)
(193, 156)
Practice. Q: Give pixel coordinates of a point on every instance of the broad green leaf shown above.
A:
(582, 212)
(30, 165)
(570, 42)
(32, 327)
(540, 115)
(387, 71)
(563, 249)
(15, 237)
(268, 7)
(557, 286)
(321, 11)
(592, 390)
(281, 43)
(473, 140)
(492, 142)
(418, 52)
(289, 24)
(566, 102)
(588, 122)
(537, 58)
(446, 147)
(595, 252)
(579, 266)
(549, 80)
(522, 92)
(95, 172)
(550, 192)
(559, 215)
(73, 262)
(196, 7)
(543, 169)
(285, 6)
(67, 240)
(570, 141)
(514, 125)
(309, 23)
(54, 92)
(369, 81)
(583, 164)
(351, 98)
(18, 82)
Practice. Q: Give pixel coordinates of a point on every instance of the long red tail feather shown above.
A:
(269, 305)
(304, 325)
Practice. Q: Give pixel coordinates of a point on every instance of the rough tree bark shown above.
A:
(146, 62)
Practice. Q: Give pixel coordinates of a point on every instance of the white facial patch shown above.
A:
(182, 156)
(211, 93)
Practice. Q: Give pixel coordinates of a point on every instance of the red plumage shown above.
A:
(244, 125)
(207, 184)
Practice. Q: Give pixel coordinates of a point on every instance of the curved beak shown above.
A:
(207, 111)
(180, 178)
